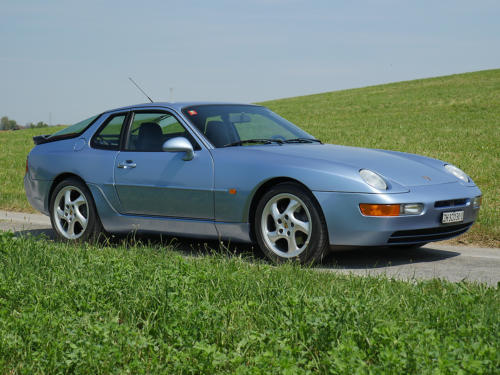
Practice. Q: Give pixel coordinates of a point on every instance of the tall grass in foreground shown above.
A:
(131, 309)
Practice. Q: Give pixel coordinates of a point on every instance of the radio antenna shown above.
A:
(136, 85)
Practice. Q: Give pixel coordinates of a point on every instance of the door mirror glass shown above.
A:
(179, 144)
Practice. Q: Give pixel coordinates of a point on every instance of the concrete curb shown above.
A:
(24, 218)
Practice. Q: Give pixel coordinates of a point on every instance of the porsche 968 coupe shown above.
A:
(241, 173)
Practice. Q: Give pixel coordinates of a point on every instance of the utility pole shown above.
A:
(50, 118)
(171, 90)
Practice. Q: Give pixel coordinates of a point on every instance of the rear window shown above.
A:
(75, 129)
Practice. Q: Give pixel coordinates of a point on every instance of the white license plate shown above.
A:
(452, 217)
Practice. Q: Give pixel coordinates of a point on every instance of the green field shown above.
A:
(454, 118)
(119, 309)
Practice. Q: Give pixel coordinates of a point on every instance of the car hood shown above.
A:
(401, 168)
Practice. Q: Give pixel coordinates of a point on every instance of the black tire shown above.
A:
(69, 222)
(281, 234)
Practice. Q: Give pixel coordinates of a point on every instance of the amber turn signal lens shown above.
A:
(379, 209)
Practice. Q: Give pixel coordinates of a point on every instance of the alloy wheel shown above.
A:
(71, 212)
(286, 225)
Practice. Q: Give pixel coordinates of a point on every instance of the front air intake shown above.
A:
(428, 234)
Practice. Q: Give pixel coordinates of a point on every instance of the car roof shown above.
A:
(175, 105)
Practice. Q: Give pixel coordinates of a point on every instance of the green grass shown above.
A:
(454, 118)
(15, 146)
(67, 308)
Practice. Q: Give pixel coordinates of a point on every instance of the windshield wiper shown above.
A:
(255, 140)
(302, 140)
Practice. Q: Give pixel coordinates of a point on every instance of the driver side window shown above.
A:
(149, 130)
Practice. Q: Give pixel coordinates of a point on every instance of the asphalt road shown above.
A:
(435, 260)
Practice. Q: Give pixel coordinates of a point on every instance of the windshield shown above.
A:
(233, 125)
(75, 129)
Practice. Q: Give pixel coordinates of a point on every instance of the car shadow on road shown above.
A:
(363, 258)
(357, 258)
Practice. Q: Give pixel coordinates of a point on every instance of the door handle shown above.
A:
(127, 164)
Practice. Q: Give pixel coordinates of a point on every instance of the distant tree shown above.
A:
(6, 124)
(13, 125)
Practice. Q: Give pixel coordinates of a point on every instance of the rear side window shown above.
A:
(75, 129)
(108, 136)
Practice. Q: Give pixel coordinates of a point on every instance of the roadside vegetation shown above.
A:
(9, 124)
(84, 309)
(453, 118)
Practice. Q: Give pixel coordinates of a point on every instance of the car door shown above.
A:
(152, 182)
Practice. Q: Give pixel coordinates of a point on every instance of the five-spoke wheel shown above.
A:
(289, 224)
(286, 225)
(73, 214)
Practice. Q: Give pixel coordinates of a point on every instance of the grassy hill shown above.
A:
(453, 118)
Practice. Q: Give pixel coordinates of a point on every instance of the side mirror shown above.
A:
(179, 144)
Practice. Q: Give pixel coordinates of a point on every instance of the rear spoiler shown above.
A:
(39, 139)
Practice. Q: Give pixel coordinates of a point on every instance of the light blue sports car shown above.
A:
(241, 173)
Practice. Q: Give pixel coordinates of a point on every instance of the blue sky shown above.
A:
(71, 59)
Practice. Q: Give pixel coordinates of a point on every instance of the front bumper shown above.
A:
(348, 227)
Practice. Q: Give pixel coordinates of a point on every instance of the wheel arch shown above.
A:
(57, 180)
(266, 186)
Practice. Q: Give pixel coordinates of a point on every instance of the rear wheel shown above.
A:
(72, 212)
(289, 225)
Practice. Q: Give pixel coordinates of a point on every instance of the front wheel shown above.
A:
(72, 211)
(289, 225)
